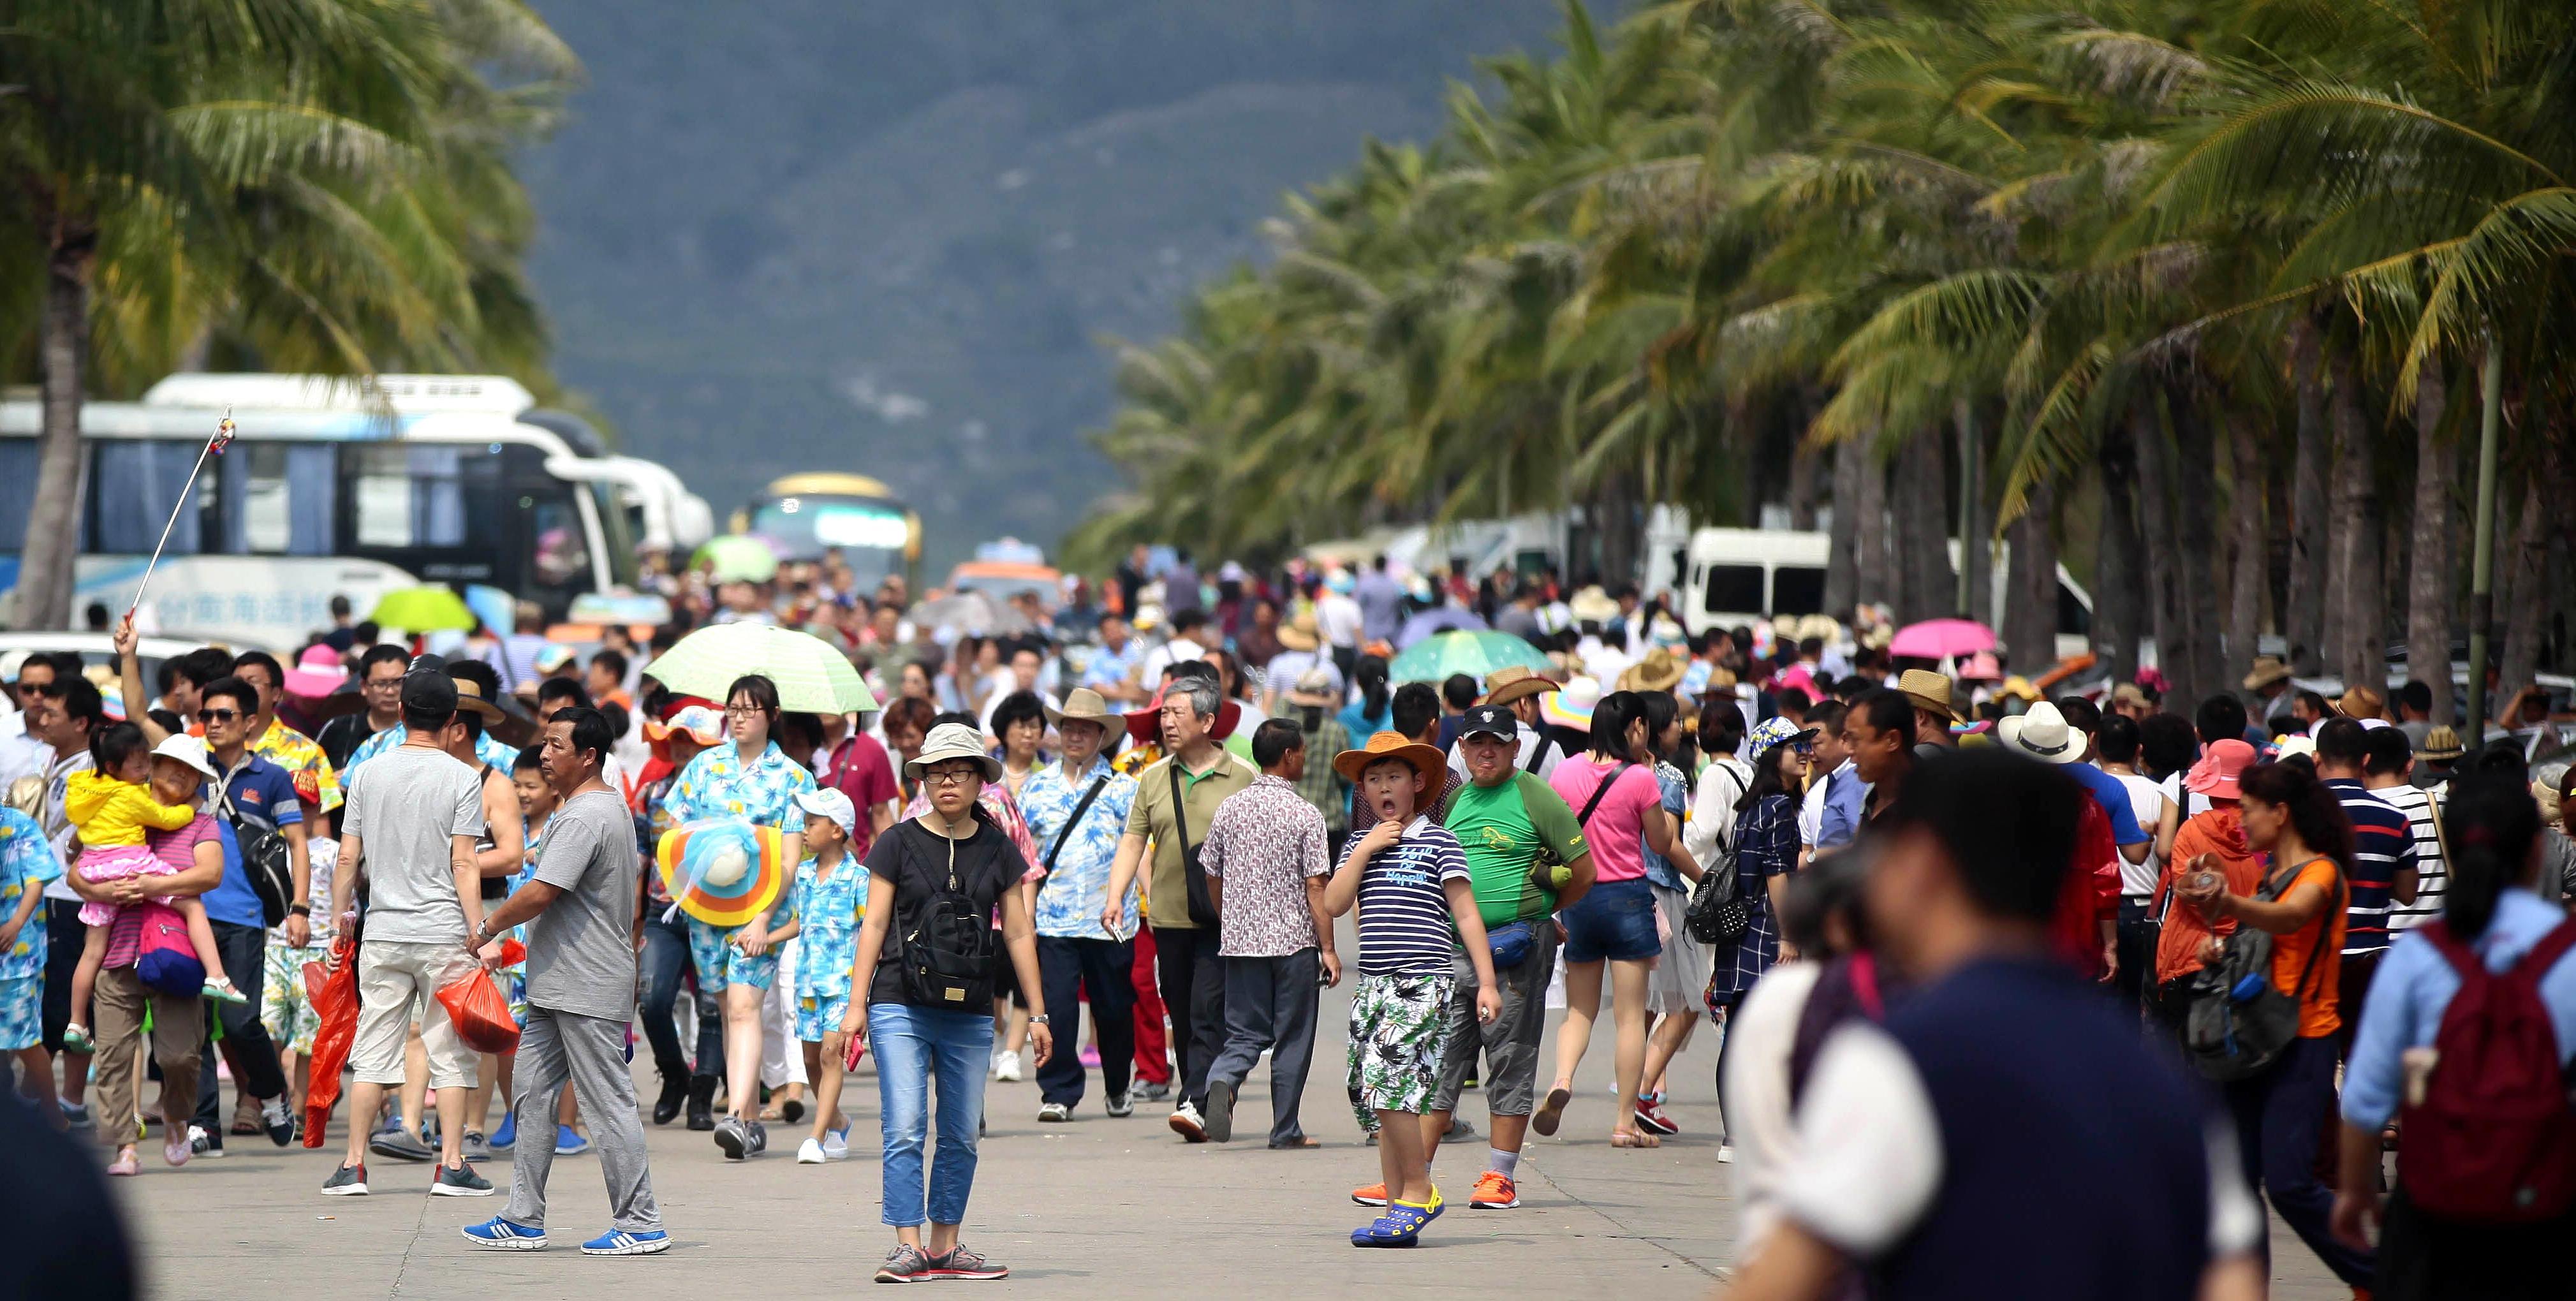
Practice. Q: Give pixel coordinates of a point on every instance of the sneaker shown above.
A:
(965, 1262)
(1373, 1195)
(402, 1145)
(1055, 1113)
(501, 1235)
(570, 1141)
(223, 991)
(759, 1139)
(75, 1114)
(1151, 1091)
(346, 1181)
(179, 1144)
(1006, 1067)
(1089, 1057)
(1220, 1113)
(1186, 1123)
(1651, 1117)
(476, 1149)
(76, 1039)
(734, 1137)
(675, 1094)
(507, 1136)
(905, 1264)
(205, 1143)
(1122, 1105)
(278, 1120)
(1494, 1192)
(459, 1180)
(810, 1152)
(619, 1242)
(836, 1144)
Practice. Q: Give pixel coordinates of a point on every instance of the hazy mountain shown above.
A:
(849, 234)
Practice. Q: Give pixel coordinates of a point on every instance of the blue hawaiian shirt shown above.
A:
(1069, 901)
(27, 862)
(485, 748)
(1676, 800)
(717, 785)
(828, 913)
(1107, 667)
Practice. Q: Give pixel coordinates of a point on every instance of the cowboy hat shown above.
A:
(2042, 733)
(1084, 705)
(1572, 706)
(1513, 681)
(2364, 703)
(1317, 687)
(469, 697)
(1145, 726)
(1929, 691)
(1425, 760)
(2441, 745)
(953, 741)
(1299, 634)
(2268, 670)
(1659, 671)
(1592, 605)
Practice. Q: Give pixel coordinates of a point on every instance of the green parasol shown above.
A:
(738, 558)
(812, 677)
(423, 609)
(1474, 653)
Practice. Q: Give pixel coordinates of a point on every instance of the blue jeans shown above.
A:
(666, 955)
(911, 1043)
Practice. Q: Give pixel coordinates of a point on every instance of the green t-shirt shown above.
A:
(1506, 829)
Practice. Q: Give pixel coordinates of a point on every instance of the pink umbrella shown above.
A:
(1942, 639)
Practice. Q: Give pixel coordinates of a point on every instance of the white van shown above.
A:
(1734, 576)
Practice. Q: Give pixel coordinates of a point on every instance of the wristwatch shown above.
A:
(299, 909)
(1039, 1019)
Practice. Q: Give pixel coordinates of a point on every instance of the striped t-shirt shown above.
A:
(1404, 912)
(2432, 874)
(2382, 846)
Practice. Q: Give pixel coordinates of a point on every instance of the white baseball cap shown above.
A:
(829, 802)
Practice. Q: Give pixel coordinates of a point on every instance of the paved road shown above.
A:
(1097, 1207)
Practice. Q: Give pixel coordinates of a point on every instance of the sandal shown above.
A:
(76, 1038)
(1551, 1110)
(223, 991)
(1631, 1138)
(1300, 1143)
(1400, 1224)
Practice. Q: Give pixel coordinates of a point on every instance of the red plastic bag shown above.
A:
(477, 1009)
(335, 1009)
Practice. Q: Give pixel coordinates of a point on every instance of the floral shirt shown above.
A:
(717, 785)
(295, 752)
(828, 913)
(27, 862)
(1069, 903)
(485, 748)
(1676, 800)
(1263, 843)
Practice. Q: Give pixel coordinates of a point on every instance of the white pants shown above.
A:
(782, 1058)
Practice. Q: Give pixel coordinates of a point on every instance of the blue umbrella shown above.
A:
(1447, 618)
(1472, 653)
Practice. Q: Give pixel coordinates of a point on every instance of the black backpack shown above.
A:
(2236, 1022)
(947, 946)
(268, 863)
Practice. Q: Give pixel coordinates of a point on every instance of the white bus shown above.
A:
(352, 487)
(1730, 577)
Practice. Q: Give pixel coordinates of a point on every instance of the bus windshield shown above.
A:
(870, 534)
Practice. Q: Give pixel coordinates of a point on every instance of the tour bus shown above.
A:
(1731, 577)
(332, 486)
(804, 515)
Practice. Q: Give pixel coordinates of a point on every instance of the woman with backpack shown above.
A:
(2486, 1171)
(925, 957)
(1765, 853)
(2281, 1108)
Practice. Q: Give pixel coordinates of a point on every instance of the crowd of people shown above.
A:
(1943, 921)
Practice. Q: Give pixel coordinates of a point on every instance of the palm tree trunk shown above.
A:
(2524, 598)
(2030, 607)
(52, 545)
(1922, 496)
(2428, 567)
(2248, 543)
(1806, 472)
(1873, 580)
(2161, 579)
(1842, 547)
(2116, 586)
(1976, 545)
(2198, 669)
(2356, 587)
(2304, 620)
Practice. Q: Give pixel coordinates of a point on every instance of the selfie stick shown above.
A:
(214, 447)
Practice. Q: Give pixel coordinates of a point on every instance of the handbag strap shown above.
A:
(1584, 819)
(1180, 807)
(1538, 752)
(1080, 808)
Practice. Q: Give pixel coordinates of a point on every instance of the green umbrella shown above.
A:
(738, 558)
(1435, 658)
(423, 609)
(812, 677)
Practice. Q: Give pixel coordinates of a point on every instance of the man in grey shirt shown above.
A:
(580, 908)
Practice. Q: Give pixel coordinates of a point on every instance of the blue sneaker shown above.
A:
(1400, 1224)
(507, 1136)
(618, 1242)
(501, 1235)
(569, 1142)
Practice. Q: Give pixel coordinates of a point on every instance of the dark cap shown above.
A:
(1495, 720)
(428, 690)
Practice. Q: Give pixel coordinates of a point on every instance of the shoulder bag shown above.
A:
(1193, 877)
(267, 862)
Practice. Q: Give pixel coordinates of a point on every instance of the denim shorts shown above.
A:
(1615, 921)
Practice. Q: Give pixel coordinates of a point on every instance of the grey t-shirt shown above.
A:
(404, 806)
(581, 949)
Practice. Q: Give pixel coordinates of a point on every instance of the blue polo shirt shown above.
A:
(261, 792)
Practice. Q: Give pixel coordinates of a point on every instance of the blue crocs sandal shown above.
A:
(1400, 1224)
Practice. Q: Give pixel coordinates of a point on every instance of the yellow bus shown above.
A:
(802, 516)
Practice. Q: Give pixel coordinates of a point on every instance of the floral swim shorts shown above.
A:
(1396, 1033)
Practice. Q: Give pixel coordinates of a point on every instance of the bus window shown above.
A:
(2072, 617)
(17, 489)
(134, 484)
(1733, 589)
(270, 499)
(1797, 589)
(421, 496)
(556, 543)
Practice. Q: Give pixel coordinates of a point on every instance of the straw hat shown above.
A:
(953, 741)
(1513, 681)
(469, 697)
(2042, 733)
(2364, 703)
(1300, 633)
(1592, 605)
(1084, 705)
(1661, 670)
(1929, 690)
(2130, 693)
(2019, 687)
(1316, 687)
(2268, 670)
(1425, 760)
(2294, 745)
(2441, 744)
(1572, 706)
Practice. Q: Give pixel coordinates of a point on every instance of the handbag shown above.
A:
(1510, 943)
(1717, 913)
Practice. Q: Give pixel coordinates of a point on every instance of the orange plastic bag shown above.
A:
(335, 1009)
(477, 1009)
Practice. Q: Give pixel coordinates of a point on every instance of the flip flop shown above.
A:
(1627, 1138)
(1302, 1142)
(1551, 1111)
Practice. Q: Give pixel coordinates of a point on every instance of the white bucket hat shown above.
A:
(953, 741)
(188, 750)
(2042, 733)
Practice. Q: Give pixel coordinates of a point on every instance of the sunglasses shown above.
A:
(45, 690)
(217, 715)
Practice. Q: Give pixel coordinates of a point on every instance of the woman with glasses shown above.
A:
(752, 779)
(932, 879)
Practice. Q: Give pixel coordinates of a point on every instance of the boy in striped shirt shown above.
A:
(2383, 861)
(2388, 770)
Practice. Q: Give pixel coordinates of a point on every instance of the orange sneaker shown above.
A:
(1373, 1195)
(1494, 1192)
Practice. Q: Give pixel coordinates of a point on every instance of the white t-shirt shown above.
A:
(2147, 800)
(1712, 814)
(1338, 618)
(1162, 657)
(1760, 1123)
(1811, 812)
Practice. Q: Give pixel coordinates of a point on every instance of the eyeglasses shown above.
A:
(744, 711)
(950, 776)
(383, 684)
(217, 715)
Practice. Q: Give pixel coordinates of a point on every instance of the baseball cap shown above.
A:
(426, 688)
(1490, 720)
(829, 802)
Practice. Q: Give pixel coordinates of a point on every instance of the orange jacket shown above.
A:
(2219, 831)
